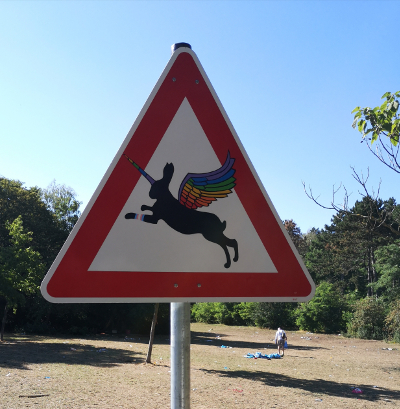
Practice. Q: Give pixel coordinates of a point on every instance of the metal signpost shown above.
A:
(180, 355)
(180, 216)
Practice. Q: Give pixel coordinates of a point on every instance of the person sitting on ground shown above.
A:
(280, 338)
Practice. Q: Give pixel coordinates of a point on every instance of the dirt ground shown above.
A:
(317, 371)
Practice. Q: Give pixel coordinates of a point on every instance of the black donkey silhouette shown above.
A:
(196, 190)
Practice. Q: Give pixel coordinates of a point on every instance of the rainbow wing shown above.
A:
(201, 189)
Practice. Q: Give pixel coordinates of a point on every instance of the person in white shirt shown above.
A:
(280, 338)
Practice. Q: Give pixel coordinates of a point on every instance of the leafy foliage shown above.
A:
(296, 235)
(388, 268)
(344, 252)
(323, 313)
(274, 315)
(356, 256)
(15, 201)
(62, 203)
(228, 313)
(264, 315)
(368, 319)
(21, 268)
(382, 125)
(392, 321)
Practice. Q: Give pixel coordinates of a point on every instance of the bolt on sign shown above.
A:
(181, 214)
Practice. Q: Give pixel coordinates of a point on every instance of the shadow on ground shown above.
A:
(317, 386)
(207, 338)
(20, 354)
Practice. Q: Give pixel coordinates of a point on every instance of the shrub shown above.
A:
(246, 310)
(274, 315)
(392, 322)
(368, 319)
(203, 312)
(326, 312)
(228, 313)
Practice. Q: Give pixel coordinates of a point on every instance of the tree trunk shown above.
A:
(153, 327)
(370, 291)
(374, 273)
(3, 323)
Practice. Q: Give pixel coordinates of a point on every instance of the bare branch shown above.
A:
(391, 151)
(374, 203)
(363, 182)
(333, 205)
(315, 200)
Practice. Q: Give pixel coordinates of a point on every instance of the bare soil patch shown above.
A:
(317, 371)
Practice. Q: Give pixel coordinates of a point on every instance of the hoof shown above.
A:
(130, 215)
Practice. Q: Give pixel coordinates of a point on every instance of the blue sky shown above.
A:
(74, 76)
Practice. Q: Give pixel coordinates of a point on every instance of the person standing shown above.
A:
(280, 338)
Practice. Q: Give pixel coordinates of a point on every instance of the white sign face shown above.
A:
(133, 245)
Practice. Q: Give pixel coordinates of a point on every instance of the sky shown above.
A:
(74, 75)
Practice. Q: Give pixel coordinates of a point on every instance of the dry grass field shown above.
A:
(318, 371)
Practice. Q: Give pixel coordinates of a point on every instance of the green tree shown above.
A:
(381, 125)
(17, 200)
(310, 236)
(324, 313)
(344, 252)
(49, 219)
(21, 268)
(62, 203)
(388, 268)
(296, 235)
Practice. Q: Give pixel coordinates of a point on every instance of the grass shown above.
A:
(109, 371)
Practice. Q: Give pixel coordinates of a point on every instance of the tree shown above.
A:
(49, 232)
(369, 224)
(17, 200)
(381, 125)
(389, 218)
(310, 236)
(334, 256)
(388, 267)
(62, 203)
(21, 268)
(152, 332)
(344, 253)
(296, 236)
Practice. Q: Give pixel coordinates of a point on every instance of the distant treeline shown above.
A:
(355, 262)
(34, 224)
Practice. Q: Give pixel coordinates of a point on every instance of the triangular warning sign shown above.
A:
(180, 214)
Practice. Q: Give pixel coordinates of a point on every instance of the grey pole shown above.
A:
(180, 355)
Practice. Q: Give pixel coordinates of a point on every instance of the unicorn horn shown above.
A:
(148, 177)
